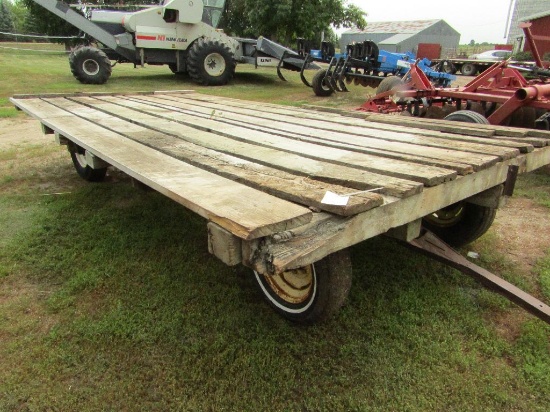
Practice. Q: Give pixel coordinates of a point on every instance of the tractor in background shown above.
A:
(179, 33)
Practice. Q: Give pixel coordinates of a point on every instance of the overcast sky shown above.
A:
(479, 20)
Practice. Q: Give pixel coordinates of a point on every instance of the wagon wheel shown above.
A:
(84, 170)
(468, 69)
(320, 84)
(310, 293)
(529, 117)
(174, 68)
(460, 223)
(446, 66)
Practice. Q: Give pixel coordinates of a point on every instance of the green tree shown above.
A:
(41, 21)
(20, 16)
(6, 20)
(286, 20)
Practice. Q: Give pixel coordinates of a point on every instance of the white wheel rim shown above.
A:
(81, 159)
(214, 64)
(302, 295)
(90, 67)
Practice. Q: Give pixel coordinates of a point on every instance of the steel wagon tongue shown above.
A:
(287, 190)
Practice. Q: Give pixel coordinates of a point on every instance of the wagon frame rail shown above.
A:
(260, 176)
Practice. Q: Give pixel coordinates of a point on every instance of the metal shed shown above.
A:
(403, 36)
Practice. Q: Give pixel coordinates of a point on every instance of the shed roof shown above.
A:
(394, 27)
(537, 16)
(398, 38)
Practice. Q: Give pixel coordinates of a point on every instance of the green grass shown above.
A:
(109, 300)
(24, 73)
(536, 186)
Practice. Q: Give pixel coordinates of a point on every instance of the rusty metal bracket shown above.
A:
(430, 245)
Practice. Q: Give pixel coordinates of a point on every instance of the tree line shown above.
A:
(279, 20)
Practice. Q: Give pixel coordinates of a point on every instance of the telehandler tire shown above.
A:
(210, 63)
(90, 65)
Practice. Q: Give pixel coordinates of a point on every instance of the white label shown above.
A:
(331, 198)
(267, 61)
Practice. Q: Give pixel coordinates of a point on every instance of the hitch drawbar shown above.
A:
(430, 245)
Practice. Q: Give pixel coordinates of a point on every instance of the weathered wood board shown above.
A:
(261, 169)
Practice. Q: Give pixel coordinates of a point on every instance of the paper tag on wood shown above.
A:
(331, 198)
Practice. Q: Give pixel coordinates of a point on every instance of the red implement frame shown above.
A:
(500, 89)
(500, 85)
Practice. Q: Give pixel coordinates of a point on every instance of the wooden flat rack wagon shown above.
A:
(286, 190)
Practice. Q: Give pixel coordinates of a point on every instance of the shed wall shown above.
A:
(440, 33)
(540, 27)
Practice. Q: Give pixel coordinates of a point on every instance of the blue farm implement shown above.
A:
(364, 64)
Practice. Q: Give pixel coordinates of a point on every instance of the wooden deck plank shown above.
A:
(498, 130)
(454, 155)
(344, 117)
(452, 127)
(428, 175)
(214, 197)
(380, 130)
(292, 163)
(354, 134)
(545, 134)
(511, 133)
(327, 234)
(538, 138)
(299, 189)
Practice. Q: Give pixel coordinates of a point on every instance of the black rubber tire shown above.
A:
(460, 223)
(445, 66)
(529, 117)
(325, 295)
(467, 116)
(90, 65)
(214, 55)
(82, 168)
(469, 69)
(388, 84)
(321, 87)
(174, 69)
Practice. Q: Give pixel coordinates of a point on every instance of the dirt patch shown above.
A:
(523, 232)
(462, 81)
(21, 131)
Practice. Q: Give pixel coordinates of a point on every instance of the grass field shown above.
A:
(109, 300)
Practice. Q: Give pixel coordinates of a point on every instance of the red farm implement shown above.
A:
(501, 95)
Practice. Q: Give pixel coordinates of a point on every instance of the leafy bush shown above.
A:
(523, 56)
